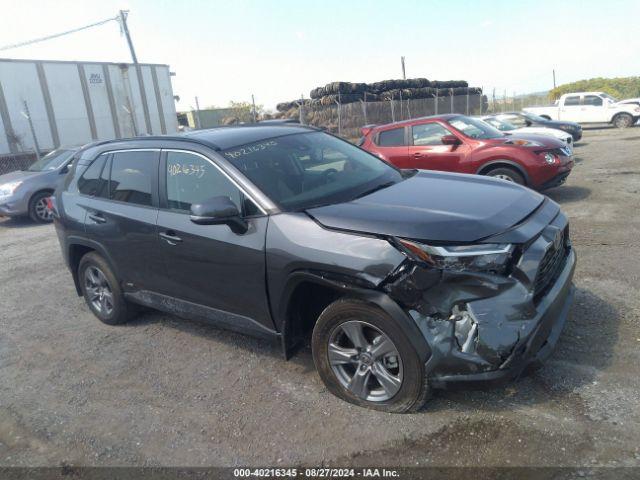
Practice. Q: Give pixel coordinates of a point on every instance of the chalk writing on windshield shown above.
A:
(251, 149)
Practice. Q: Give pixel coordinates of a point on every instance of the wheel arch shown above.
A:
(38, 192)
(619, 114)
(42, 190)
(504, 163)
(78, 248)
(308, 293)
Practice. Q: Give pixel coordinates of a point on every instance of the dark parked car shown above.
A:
(403, 280)
(455, 143)
(525, 119)
(26, 192)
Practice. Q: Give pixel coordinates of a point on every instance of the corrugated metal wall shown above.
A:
(72, 103)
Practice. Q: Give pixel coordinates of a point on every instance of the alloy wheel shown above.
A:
(98, 290)
(502, 176)
(365, 361)
(42, 210)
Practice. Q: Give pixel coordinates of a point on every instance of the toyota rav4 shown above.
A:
(402, 280)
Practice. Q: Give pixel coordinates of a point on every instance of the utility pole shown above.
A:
(27, 114)
(404, 75)
(554, 78)
(253, 102)
(143, 94)
(198, 119)
(123, 22)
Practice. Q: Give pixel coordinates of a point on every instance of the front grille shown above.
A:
(551, 265)
(562, 152)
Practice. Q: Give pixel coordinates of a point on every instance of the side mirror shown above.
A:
(451, 140)
(218, 211)
(64, 170)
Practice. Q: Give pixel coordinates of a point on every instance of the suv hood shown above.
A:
(545, 140)
(435, 206)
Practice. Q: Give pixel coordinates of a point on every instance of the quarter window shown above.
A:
(428, 134)
(193, 179)
(91, 183)
(132, 176)
(391, 138)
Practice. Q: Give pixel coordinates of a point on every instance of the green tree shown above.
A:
(621, 87)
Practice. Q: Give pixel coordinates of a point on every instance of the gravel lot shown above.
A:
(166, 391)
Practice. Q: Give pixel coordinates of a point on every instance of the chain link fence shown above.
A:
(18, 161)
(515, 103)
(346, 119)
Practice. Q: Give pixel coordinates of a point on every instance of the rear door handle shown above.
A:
(170, 237)
(97, 217)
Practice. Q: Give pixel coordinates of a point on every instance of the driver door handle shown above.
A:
(97, 217)
(417, 154)
(170, 237)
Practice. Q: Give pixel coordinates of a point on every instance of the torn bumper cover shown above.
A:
(514, 344)
(487, 329)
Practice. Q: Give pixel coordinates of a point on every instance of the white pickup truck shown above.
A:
(590, 107)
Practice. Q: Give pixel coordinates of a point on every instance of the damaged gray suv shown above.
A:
(403, 281)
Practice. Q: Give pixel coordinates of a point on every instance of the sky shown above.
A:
(224, 51)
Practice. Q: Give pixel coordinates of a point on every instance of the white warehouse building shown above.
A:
(73, 103)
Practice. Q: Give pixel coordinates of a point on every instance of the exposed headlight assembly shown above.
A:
(7, 189)
(521, 142)
(549, 158)
(487, 257)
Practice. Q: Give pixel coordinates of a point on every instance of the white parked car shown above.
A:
(590, 107)
(508, 123)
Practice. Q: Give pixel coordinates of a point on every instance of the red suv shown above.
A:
(456, 143)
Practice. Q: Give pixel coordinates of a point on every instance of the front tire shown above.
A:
(38, 210)
(508, 174)
(364, 357)
(101, 290)
(623, 120)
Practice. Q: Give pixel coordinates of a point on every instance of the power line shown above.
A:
(49, 37)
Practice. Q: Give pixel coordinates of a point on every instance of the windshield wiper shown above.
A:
(382, 186)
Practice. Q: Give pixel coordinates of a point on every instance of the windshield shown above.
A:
(534, 118)
(606, 95)
(500, 124)
(310, 169)
(474, 128)
(52, 160)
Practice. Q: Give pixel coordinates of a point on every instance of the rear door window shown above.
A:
(132, 176)
(391, 138)
(572, 101)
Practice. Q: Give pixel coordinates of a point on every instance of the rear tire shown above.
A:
(102, 292)
(622, 120)
(508, 174)
(384, 372)
(38, 210)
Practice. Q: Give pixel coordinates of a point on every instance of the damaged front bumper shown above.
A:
(485, 328)
(517, 344)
